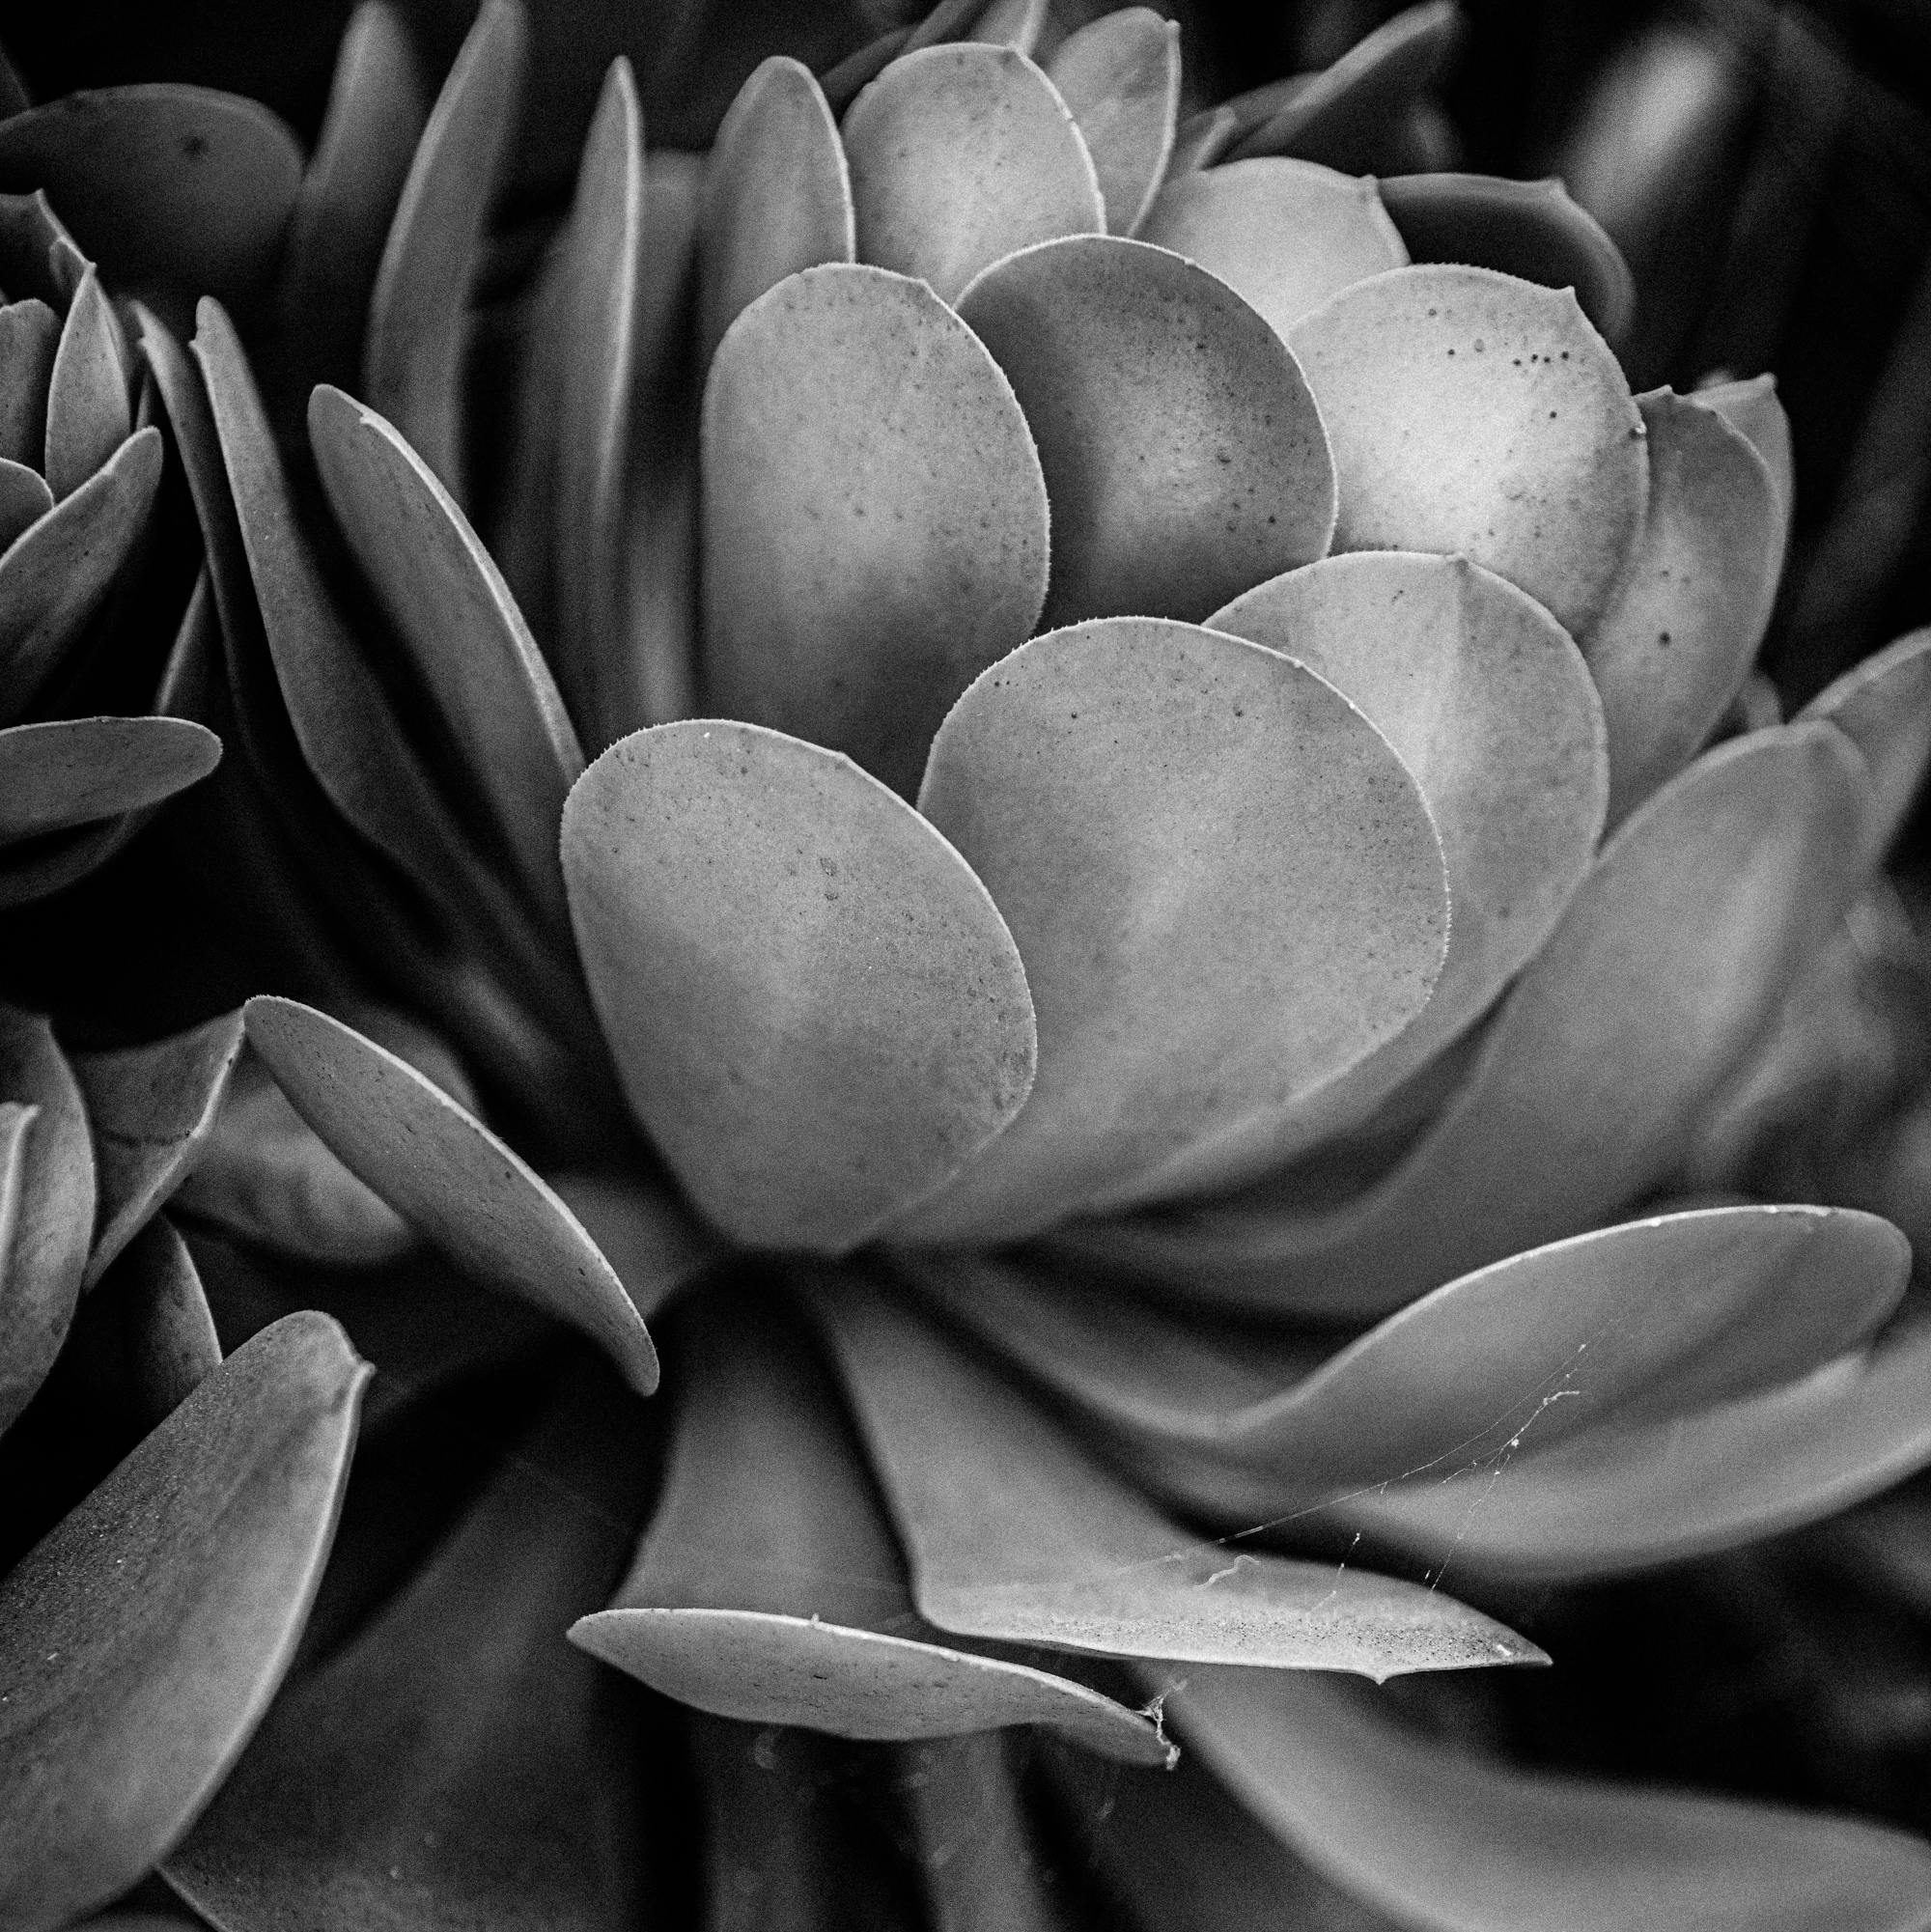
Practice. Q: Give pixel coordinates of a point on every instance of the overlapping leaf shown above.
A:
(1119, 76)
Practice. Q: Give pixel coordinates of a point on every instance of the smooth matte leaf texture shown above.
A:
(53, 578)
(802, 1616)
(1493, 713)
(456, 1764)
(776, 197)
(24, 495)
(171, 1344)
(448, 1176)
(73, 771)
(30, 333)
(1666, 970)
(146, 1634)
(461, 629)
(52, 1196)
(1682, 626)
(657, 1247)
(1010, 24)
(1283, 235)
(843, 80)
(1013, 1531)
(815, 1009)
(1751, 406)
(1475, 414)
(88, 416)
(150, 1110)
(175, 191)
(1531, 228)
(960, 154)
(1119, 76)
(1884, 707)
(1223, 882)
(1451, 1842)
(412, 354)
(1185, 459)
(874, 517)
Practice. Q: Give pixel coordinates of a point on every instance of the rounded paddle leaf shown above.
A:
(1119, 76)
(1884, 707)
(75, 771)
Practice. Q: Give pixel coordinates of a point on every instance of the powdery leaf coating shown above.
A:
(814, 1008)
(1223, 882)
(776, 198)
(1683, 624)
(1884, 707)
(73, 771)
(960, 154)
(412, 354)
(1185, 458)
(874, 517)
(164, 185)
(30, 333)
(150, 1110)
(1472, 414)
(53, 577)
(1283, 235)
(147, 1632)
(448, 1176)
(1015, 1532)
(1119, 76)
(1456, 1843)
(87, 412)
(1531, 228)
(803, 1615)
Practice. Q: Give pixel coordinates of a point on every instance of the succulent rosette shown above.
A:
(1084, 793)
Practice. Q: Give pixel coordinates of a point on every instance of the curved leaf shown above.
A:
(87, 412)
(1751, 406)
(1185, 459)
(75, 771)
(1884, 707)
(24, 495)
(172, 1346)
(814, 1007)
(1119, 76)
(30, 333)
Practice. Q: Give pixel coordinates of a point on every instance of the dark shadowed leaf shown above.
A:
(959, 155)
(30, 333)
(875, 520)
(1119, 76)
(657, 1247)
(1884, 707)
(88, 411)
(73, 771)
(147, 1632)
(171, 1344)
(814, 1006)
(24, 498)
(1751, 408)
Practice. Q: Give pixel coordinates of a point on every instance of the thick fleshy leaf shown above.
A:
(462, 631)
(776, 198)
(1493, 711)
(1884, 707)
(960, 154)
(1683, 624)
(53, 578)
(977, 1834)
(1666, 968)
(1010, 24)
(30, 334)
(457, 1764)
(1472, 414)
(147, 1632)
(24, 499)
(1203, 138)
(448, 1176)
(874, 519)
(52, 1212)
(175, 191)
(1531, 228)
(44, 259)
(72, 770)
(804, 1617)
(350, 193)
(1119, 76)
(171, 1345)
(842, 81)
(1340, 116)
(1284, 234)
(657, 1247)
(1449, 1842)
(1185, 458)
(1187, 976)
(412, 356)
(1015, 1532)
(88, 413)
(1751, 406)
(150, 1109)
(814, 1007)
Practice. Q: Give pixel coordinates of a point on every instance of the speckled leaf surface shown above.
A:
(1119, 76)
(814, 1007)
(75, 771)
(647, 1233)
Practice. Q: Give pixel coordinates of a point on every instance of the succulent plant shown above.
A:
(1079, 796)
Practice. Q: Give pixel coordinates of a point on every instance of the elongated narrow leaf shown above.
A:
(978, 1836)
(146, 1634)
(1284, 234)
(453, 1180)
(24, 499)
(1185, 459)
(1884, 707)
(171, 1343)
(1454, 1843)
(150, 1110)
(1475, 414)
(851, 415)
(814, 1007)
(1119, 76)
(75, 771)
(30, 333)
(89, 415)
(805, 1619)
(1751, 406)
(1185, 978)
(959, 155)
(1013, 1531)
